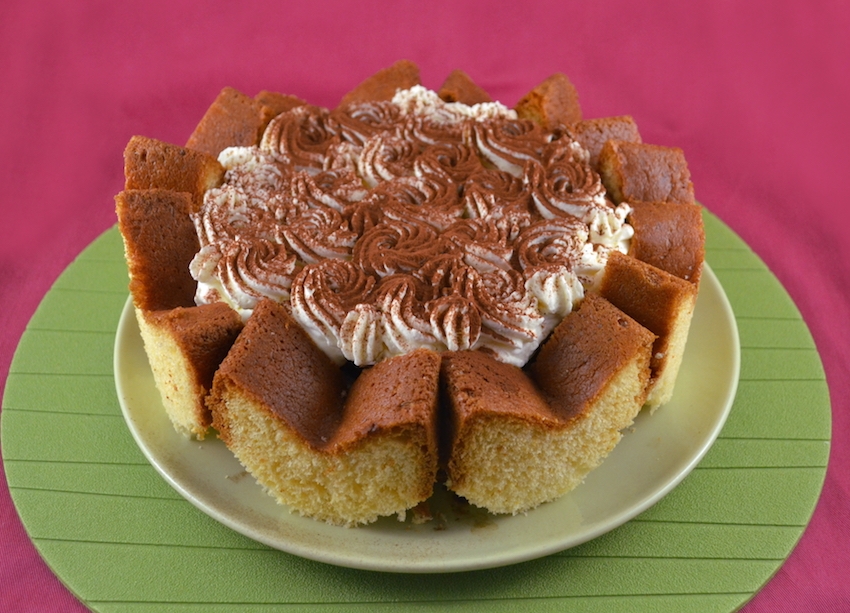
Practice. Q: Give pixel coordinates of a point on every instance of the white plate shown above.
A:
(652, 458)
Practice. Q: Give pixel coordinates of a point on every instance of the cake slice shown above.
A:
(345, 456)
(554, 102)
(517, 440)
(670, 236)
(277, 102)
(384, 84)
(150, 163)
(638, 172)
(184, 343)
(592, 134)
(459, 87)
(232, 120)
(185, 347)
(659, 301)
(159, 243)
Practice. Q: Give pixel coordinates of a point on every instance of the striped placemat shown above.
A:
(122, 540)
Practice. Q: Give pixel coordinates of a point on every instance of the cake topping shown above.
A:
(419, 100)
(389, 226)
(509, 144)
(360, 120)
(301, 137)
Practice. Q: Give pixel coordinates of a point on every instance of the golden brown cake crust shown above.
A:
(669, 236)
(277, 364)
(202, 336)
(459, 87)
(518, 441)
(204, 333)
(553, 102)
(277, 102)
(585, 350)
(160, 242)
(396, 394)
(592, 134)
(150, 163)
(643, 291)
(637, 172)
(384, 84)
(651, 296)
(476, 391)
(232, 120)
(475, 384)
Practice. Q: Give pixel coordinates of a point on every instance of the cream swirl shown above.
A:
(446, 274)
(421, 101)
(429, 200)
(483, 243)
(252, 170)
(242, 272)
(386, 157)
(322, 296)
(342, 157)
(306, 191)
(447, 284)
(301, 137)
(495, 193)
(551, 242)
(230, 214)
(361, 120)
(608, 227)
(343, 186)
(453, 162)
(361, 337)
(563, 188)
(557, 289)
(508, 145)
(365, 214)
(511, 325)
(407, 325)
(394, 247)
(319, 234)
(455, 322)
(426, 131)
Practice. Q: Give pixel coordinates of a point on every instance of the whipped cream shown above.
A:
(390, 226)
(421, 101)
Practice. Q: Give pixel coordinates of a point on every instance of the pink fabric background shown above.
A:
(756, 93)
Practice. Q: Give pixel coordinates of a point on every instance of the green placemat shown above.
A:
(122, 540)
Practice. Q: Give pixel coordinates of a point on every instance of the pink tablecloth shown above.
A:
(755, 93)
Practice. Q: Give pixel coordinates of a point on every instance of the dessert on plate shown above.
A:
(416, 286)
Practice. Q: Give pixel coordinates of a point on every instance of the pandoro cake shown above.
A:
(518, 439)
(185, 342)
(414, 286)
(343, 453)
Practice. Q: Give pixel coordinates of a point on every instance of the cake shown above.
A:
(660, 302)
(233, 119)
(415, 286)
(517, 440)
(186, 346)
(185, 342)
(152, 164)
(343, 453)
(638, 172)
(551, 104)
(459, 87)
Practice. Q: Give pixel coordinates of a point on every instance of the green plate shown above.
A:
(122, 539)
